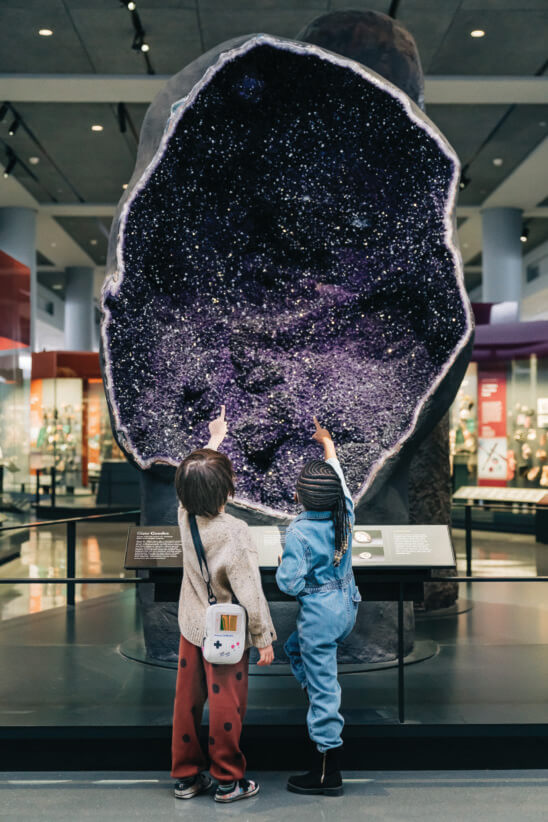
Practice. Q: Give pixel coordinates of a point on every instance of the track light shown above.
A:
(524, 236)
(121, 114)
(14, 126)
(131, 5)
(464, 181)
(4, 108)
(145, 47)
(12, 161)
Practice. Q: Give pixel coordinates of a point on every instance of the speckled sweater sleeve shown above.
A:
(245, 580)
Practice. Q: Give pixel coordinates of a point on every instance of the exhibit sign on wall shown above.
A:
(492, 442)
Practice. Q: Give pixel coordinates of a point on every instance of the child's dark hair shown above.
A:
(204, 481)
(319, 489)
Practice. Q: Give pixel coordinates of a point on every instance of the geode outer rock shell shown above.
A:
(286, 246)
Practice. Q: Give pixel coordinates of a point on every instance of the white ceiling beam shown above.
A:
(79, 209)
(142, 88)
(474, 90)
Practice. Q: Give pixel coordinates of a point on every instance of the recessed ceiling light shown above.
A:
(34, 161)
(45, 32)
(477, 33)
(57, 286)
(497, 161)
(124, 185)
(93, 242)
(97, 127)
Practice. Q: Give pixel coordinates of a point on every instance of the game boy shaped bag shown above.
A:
(225, 627)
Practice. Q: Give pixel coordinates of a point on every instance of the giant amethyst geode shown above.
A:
(286, 247)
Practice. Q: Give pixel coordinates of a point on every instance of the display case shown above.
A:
(499, 425)
(70, 429)
(15, 361)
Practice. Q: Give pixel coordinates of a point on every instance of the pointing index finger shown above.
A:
(316, 423)
(222, 416)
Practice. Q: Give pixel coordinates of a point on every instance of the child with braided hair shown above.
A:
(316, 568)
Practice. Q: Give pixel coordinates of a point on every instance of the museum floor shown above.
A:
(505, 796)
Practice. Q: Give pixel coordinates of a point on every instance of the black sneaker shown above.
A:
(187, 788)
(232, 791)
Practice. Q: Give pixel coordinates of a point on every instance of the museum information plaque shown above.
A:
(381, 546)
(154, 546)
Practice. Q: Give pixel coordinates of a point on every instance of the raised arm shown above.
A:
(323, 436)
(217, 430)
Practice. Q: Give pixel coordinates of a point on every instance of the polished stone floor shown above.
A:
(396, 796)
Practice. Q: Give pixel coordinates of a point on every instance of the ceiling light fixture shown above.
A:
(464, 181)
(12, 161)
(45, 32)
(14, 126)
(524, 236)
(498, 161)
(93, 242)
(124, 186)
(477, 33)
(145, 47)
(97, 127)
(131, 5)
(57, 286)
(34, 161)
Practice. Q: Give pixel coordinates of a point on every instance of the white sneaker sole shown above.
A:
(245, 795)
(201, 787)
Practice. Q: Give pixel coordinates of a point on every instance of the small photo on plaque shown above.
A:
(367, 546)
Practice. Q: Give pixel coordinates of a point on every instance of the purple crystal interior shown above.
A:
(288, 252)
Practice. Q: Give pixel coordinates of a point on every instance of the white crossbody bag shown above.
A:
(225, 628)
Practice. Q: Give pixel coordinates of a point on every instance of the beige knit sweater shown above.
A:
(233, 563)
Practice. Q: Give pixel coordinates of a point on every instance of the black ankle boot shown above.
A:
(324, 778)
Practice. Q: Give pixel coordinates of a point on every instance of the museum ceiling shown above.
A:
(77, 175)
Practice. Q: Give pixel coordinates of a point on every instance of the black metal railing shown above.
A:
(71, 523)
(403, 582)
(485, 506)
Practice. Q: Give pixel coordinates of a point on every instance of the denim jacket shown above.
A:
(307, 562)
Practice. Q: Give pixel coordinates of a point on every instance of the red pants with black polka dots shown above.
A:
(225, 686)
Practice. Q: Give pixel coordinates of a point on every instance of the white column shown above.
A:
(79, 308)
(501, 255)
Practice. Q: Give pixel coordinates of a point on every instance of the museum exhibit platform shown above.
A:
(70, 698)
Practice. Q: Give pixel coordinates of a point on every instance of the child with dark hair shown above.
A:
(204, 481)
(316, 568)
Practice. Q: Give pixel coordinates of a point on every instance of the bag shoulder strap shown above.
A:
(200, 553)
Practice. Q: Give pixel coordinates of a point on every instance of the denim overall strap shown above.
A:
(332, 585)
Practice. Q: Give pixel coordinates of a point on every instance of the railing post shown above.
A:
(53, 478)
(71, 561)
(38, 472)
(401, 680)
(468, 537)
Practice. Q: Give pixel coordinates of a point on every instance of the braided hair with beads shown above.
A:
(319, 489)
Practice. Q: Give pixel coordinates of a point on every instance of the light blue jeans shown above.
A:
(326, 617)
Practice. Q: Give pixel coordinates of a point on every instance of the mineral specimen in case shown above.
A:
(286, 247)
